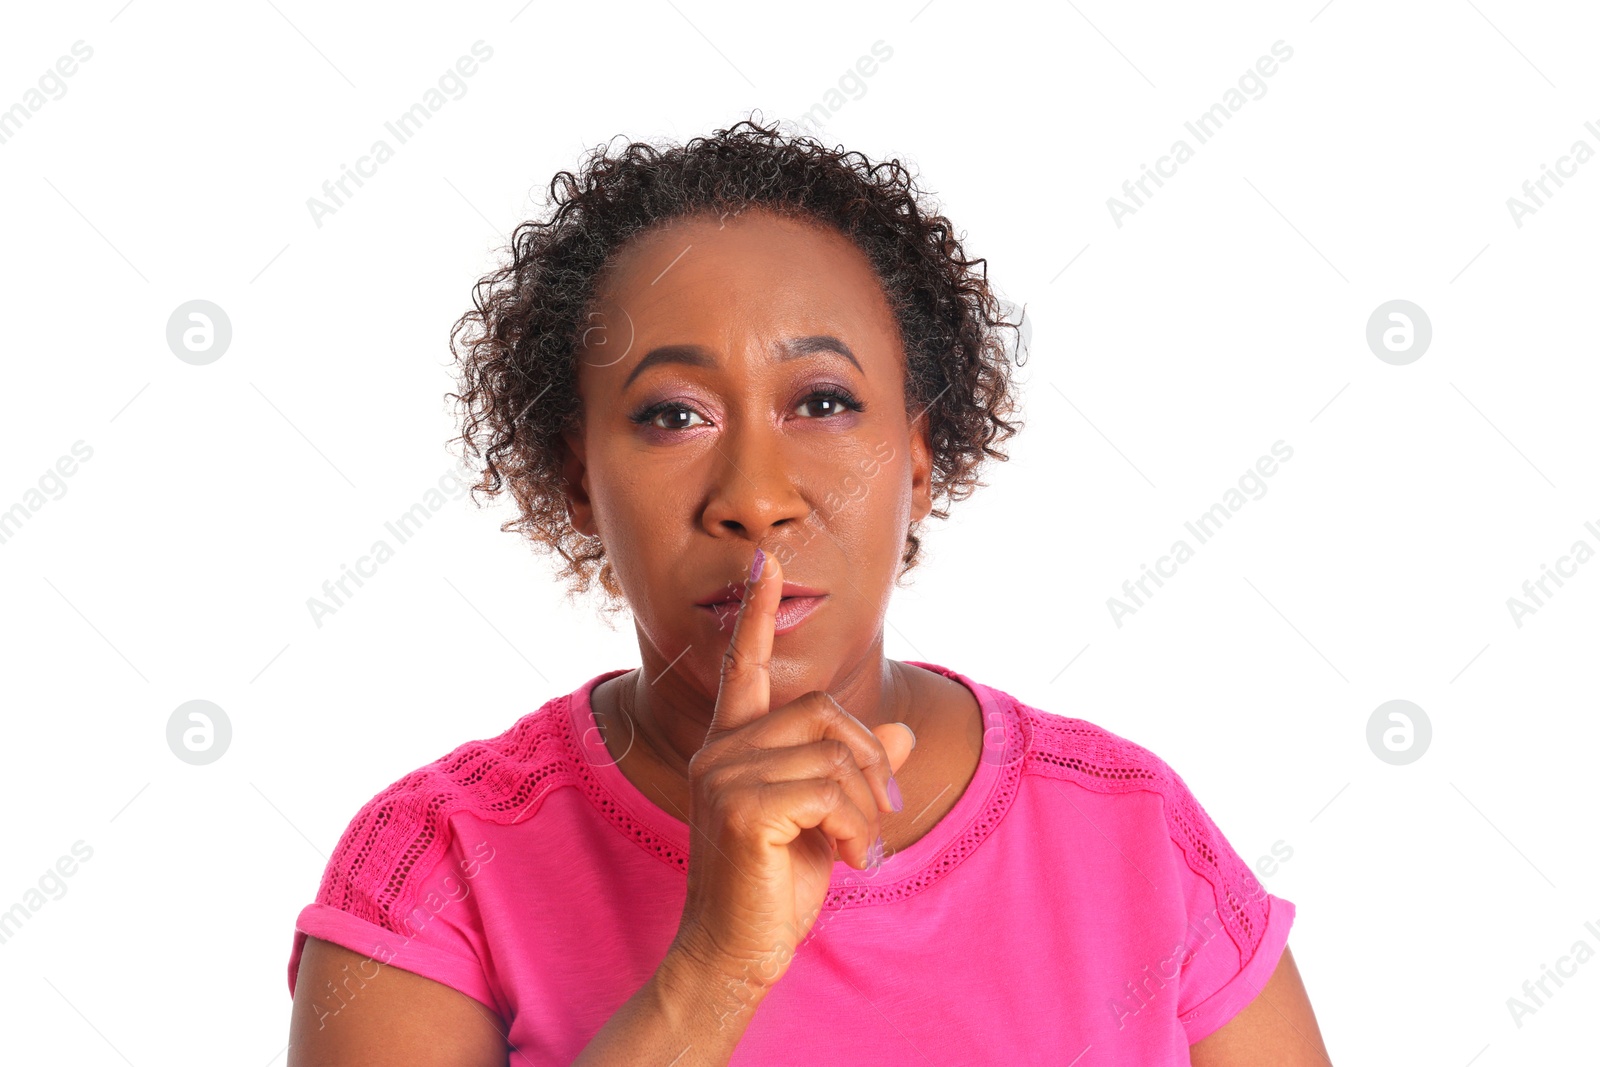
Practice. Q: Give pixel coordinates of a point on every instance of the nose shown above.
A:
(753, 492)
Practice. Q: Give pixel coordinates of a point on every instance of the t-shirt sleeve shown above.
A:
(1236, 929)
(399, 890)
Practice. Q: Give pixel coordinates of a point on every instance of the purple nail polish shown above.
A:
(895, 800)
(757, 564)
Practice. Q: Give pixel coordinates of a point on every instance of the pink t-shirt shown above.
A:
(1076, 898)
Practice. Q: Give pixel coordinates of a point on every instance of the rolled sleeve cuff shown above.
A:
(460, 973)
(1209, 1015)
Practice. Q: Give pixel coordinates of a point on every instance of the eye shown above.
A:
(676, 416)
(837, 401)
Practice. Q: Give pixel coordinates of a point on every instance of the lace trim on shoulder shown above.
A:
(401, 834)
(1079, 751)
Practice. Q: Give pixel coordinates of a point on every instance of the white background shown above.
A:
(1169, 353)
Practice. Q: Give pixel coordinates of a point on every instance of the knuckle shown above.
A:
(737, 661)
(833, 794)
(702, 763)
(821, 703)
(716, 781)
(839, 755)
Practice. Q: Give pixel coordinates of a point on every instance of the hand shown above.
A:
(774, 793)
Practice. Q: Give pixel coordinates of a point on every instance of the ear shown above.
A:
(921, 469)
(575, 475)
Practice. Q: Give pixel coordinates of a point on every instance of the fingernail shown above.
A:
(895, 800)
(875, 858)
(755, 566)
(913, 734)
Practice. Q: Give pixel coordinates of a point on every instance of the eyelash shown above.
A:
(647, 415)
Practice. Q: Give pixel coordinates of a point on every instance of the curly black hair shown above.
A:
(515, 351)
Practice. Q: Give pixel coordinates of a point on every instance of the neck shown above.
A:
(673, 712)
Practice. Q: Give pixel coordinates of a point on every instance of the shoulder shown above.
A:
(1215, 878)
(1059, 746)
(1083, 752)
(1089, 755)
(1094, 758)
(1175, 845)
(403, 832)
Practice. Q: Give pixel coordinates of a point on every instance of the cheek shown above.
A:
(628, 497)
(870, 495)
(643, 510)
(893, 478)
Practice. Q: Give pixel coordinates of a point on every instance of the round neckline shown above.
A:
(1002, 734)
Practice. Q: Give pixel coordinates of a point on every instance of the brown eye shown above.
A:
(676, 418)
(830, 402)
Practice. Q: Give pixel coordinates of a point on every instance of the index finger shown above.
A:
(744, 692)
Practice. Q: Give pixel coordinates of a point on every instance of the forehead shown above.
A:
(715, 277)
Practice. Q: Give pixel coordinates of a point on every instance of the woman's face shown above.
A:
(719, 379)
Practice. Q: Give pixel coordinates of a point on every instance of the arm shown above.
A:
(676, 1018)
(401, 1019)
(392, 1018)
(1278, 1027)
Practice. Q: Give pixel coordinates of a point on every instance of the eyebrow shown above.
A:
(699, 356)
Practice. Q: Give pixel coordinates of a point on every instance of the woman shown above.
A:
(727, 380)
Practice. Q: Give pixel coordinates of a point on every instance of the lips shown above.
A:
(799, 602)
(794, 610)
(728, 594)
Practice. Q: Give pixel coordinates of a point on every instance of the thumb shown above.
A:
(898, 741)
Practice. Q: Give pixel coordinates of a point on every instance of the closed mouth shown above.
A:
(731, 595)
(790, 613)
